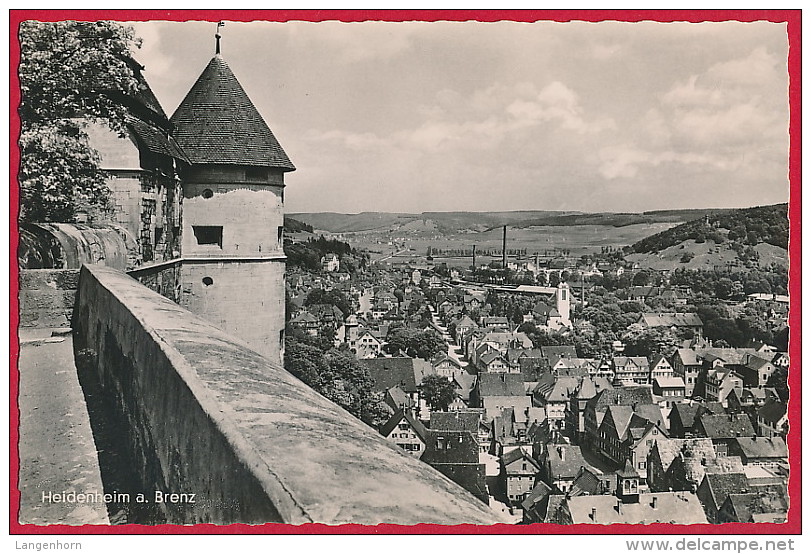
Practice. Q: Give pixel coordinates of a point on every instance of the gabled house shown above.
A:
(561, 464)
(723, 429)
(687, 366)
(367, 345)
(669, 390)
(684, 417)
(756, 371)
(445, 365)
(307, 322)
(719, 384)
(407, 432)
(518, 471)
(716, 487)
(674, 321)
(493, 362)
(768, 452)
(455, 454)
(464, 325)
(554, 394)
(587, 388)
(772, 419)
(766, 505)
(597, 406)
(626, 435)
(634, 370)
(660, 368)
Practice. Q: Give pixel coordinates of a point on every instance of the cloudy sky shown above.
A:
(505, 116)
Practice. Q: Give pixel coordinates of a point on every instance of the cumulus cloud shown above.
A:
(728, 118)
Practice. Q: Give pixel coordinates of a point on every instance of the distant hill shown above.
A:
(745, 227)
(295, 226)
(454, 222)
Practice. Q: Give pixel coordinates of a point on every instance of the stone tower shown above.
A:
(563, 302)
(233, 211)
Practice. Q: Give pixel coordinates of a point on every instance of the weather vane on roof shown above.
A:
(218, 36)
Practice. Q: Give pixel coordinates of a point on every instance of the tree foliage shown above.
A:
(749, 226)
(438, 392)
(71, 73)
(421, 344)
(338, 376)
(332, 297)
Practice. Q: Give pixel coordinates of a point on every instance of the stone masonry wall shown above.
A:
(206, 415)
(244, 298)
(47, 297)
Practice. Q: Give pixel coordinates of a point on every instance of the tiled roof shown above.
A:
(514, 455)
(723, 426)
(455, 421)
(669, 507)
(155, 140)
(397, 399)
(722, 485)
(556, 389)
(451, 447)
(406, 373)
(565, 461)
(687, 413)
(625, 396)
(536, 495)
(773, 411)
(652, 413)
(415, 424)
(491, 356)
(748, 506)
(557, 352)
(762, 447)
(669, 382)
(500, 384)
(671, 320)
(585, 483)
(669, 449)
(216, 123)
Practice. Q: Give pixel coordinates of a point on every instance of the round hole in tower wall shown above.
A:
(208, 281)
(208, 193)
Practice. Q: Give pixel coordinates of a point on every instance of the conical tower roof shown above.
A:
(218, 124)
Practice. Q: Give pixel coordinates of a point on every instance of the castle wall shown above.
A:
(145, 199)
(244, 298)
(203, 414)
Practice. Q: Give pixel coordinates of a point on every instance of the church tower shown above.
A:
(233, 210)
(563, 301)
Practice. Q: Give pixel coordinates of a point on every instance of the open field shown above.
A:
(547, 241)
(706, 255)
(453, 222)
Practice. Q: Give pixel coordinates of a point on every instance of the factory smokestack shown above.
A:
(504, 248)
(474, 257)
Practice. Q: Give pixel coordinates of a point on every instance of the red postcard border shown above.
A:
(793, 20)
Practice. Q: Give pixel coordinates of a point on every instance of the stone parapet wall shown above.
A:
(163, 278)
(47, 297)
(206, 415)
